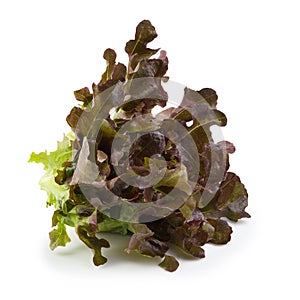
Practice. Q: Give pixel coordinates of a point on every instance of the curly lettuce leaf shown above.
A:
(230, 201)
(59, 236)
(53, 162)
(94, 243)
(196, 204)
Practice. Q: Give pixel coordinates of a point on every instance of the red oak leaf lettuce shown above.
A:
(87, 160)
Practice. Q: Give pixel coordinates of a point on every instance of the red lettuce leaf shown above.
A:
(194, 205)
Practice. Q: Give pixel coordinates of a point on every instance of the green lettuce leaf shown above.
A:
(59, 236)
(53, 162)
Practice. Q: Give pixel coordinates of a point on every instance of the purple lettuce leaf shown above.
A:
(194, 206)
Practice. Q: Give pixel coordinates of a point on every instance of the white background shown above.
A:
(248, 51)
